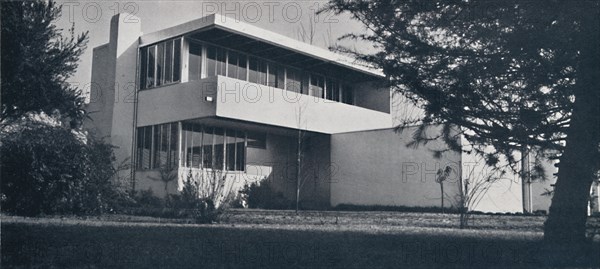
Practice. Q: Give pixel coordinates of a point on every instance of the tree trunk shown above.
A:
(579, 162)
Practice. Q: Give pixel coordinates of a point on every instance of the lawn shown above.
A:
(256, 238)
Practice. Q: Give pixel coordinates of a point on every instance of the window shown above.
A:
(257, 71)
(215, 61)
(144, 67)
(293, 80)
(211, 61)
(207, 148)
(230, 152)
(232, 64)
(151, 67)
(173, 140)
(218, 148)
(201, 146)
(195, 62)
(276, 76)
(240, 151)
(347, 95)
(177, 60)
(196, 149)
(332, 90)
(317, 85)
(165, 138)
(169, 62)
(157, 146)
(160, 146)
(160, 64)
(144, 146)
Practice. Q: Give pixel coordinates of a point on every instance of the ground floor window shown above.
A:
(157, 146)
(202, 146)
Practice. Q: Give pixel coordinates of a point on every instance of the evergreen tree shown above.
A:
(511, 74)
(37, 60)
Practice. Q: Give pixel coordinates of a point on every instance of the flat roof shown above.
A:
(232, 33)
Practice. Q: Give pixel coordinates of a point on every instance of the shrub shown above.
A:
(52, 170)
(262, 195)
(195, 203)
(146, 198)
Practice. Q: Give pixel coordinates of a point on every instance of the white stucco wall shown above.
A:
(177, 102)
(376, 168)
(503, 195)
(252, 102)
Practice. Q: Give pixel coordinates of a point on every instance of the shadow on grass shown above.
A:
(176, 246)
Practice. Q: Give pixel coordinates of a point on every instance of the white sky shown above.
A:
(283, 17)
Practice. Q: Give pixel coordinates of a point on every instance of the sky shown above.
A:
(283, 17)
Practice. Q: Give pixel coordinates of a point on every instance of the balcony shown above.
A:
(235, 99)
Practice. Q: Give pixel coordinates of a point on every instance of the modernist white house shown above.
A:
(219, 94)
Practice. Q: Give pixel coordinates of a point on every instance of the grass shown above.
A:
(257, 238)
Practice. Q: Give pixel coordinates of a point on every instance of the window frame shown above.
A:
(159, 77)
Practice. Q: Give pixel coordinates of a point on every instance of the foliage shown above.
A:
(205, 203)
(512, 75)
(146, 198)
(51, 170)
(262, 195)
(37, 60)
(471, 190)
(48, 167)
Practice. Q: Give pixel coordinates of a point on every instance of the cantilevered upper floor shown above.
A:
(216, 66)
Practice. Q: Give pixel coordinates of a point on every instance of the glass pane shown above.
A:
(183, 145)
(272, 75)
(147, 147)
(189, 143)
(232, 64)
(173, 140)
(207, 148)
(230, 150)
(317, 84)
(211, 61)
(253, 72)
(280, 73)
(305, 79)
(195, 61)
(347, 95)
(169, 61)
(139, 147)
(263, 72)
(197, 149)
(221, 62)
(240, 152)
(143, 67)
(332, 89)
(218, 149)
(164, 144)
(177, 59)
(157, 150)
(242, 67)
(151, 60)
(336, 93)
(293, 82)
(160, 63)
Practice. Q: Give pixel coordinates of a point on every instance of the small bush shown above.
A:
(146, 198)
(262, 195)
(189, 204)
